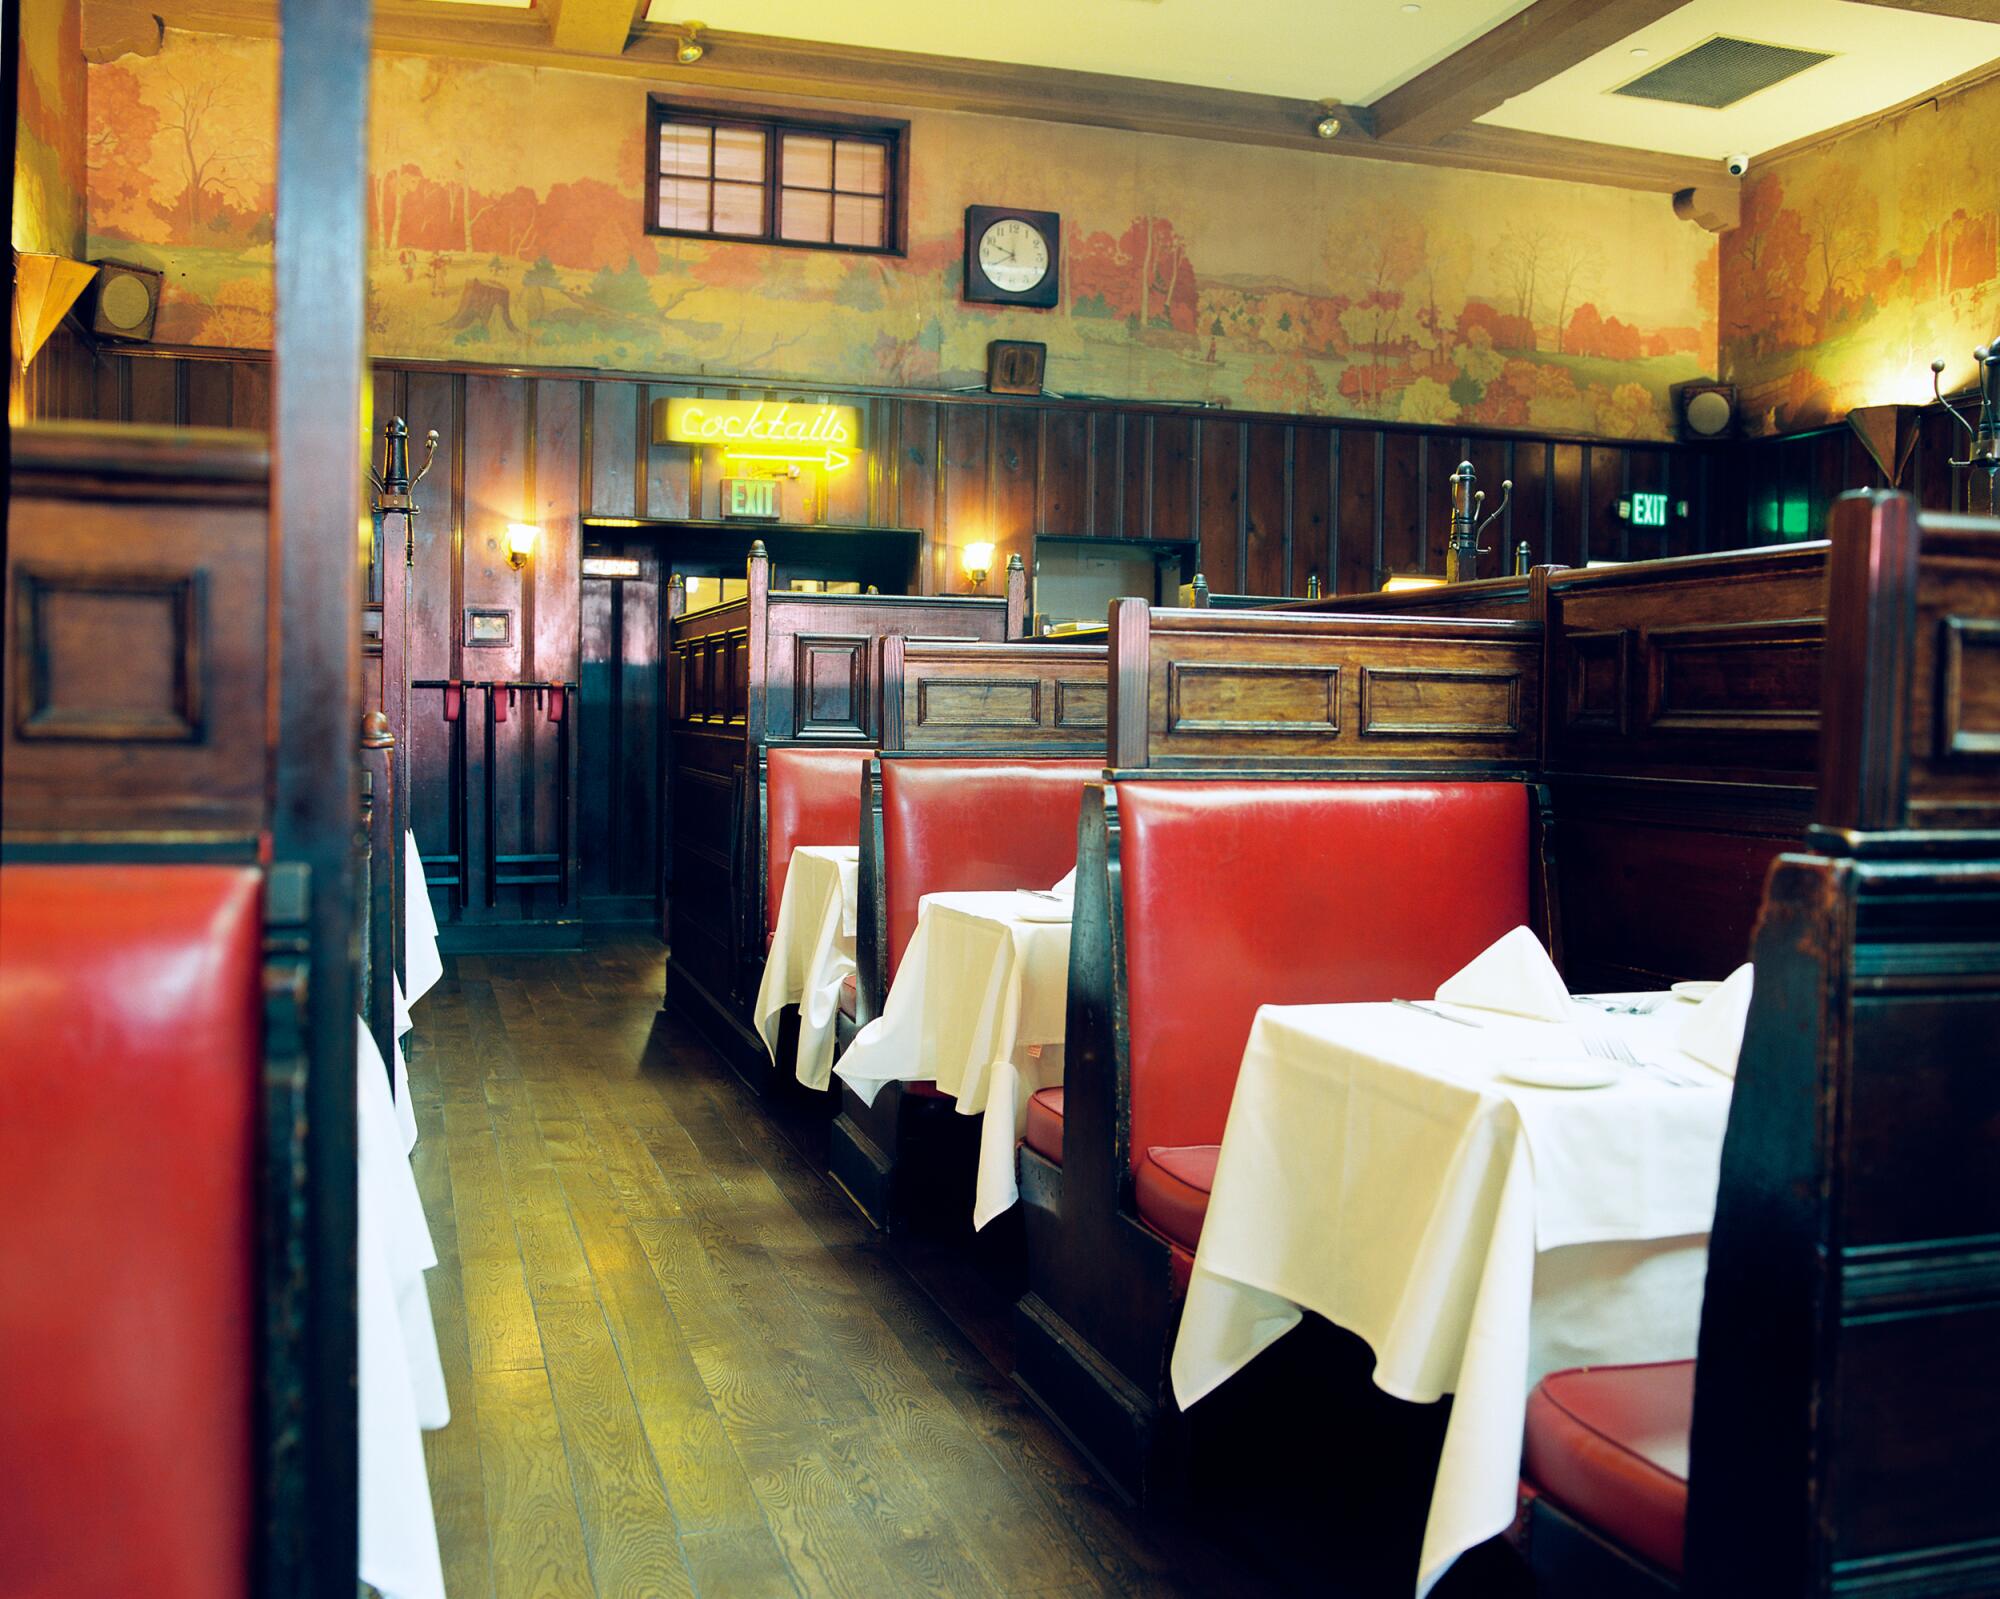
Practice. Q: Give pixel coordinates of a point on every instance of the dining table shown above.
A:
(977, 1007)
(1483, 1199)
(811, 956)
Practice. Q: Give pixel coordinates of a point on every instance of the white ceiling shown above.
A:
(1358, 50)
(1351, 50)
(1881, 58)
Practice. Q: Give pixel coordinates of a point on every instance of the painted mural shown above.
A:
(49, 183)
(1859, 262)
(505, 226)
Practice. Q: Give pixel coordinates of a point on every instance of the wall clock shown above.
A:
(1012, 257)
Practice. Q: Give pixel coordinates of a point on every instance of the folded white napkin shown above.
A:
(1513, 974)
(1713, 1033)
(1065, 885)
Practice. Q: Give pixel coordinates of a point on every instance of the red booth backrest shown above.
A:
(811, 796)
(130, 1054)
(975, 824)
(1240, 894)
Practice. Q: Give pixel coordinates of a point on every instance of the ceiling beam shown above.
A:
(1526, 50)
(594, 27)
(737, 65)
(1969, 10)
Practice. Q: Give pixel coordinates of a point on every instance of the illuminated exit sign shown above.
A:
(750, 496)
(785, 431)
(1649, 510)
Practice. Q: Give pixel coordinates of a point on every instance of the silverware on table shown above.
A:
(1410, 1004)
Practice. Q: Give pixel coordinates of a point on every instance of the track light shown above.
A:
(691, 49)
(1327, 127)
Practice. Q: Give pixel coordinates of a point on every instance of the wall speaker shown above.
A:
(124, 301)
(1705, 409)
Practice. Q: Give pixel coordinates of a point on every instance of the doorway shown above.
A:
(621, 687)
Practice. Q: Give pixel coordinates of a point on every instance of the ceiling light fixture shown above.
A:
(1640, 52)
(691, 49)
(1327, 127)
(1411, 10)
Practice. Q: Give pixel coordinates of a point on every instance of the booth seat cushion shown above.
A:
(130, 1052)
(1609, 1445)
(1244, 893)
(1171, 1190)
(974, 824)
(1044, 1133)
(849, 991)
(811, 796)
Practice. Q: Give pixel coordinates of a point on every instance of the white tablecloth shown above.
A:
(812, 954)
(1478, 1234)
(421, 960)
(978, 1007)
(400, 1379)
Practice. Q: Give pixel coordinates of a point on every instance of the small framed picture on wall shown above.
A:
(488, 628)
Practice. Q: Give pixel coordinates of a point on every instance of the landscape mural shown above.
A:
(1859, 262)
(48, 131)
(505, 226)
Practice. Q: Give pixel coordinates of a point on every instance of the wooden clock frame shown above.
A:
(981, 290)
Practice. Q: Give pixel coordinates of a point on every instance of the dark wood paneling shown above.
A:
(1107, 475)
(966, 502)
(1170, 511)
(1014, 465)
(1066, 505)
(1356, 566)
(1267, 504)
(1399, 531)
(1220, 507)
(1312, 507)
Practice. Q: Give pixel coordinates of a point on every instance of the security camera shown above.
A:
(1737, 164)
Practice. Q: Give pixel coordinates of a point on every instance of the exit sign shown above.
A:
(750, 497)
(1649, 510)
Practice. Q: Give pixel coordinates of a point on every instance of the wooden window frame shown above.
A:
(663, 109)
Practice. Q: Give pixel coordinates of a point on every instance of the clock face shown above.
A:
(1013, 255)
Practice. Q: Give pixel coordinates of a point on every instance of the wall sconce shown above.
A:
(977, 561)
(1888, 433)
(45, 287)
(521, 538)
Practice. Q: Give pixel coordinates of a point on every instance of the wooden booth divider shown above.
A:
(182, 792)
(773, 668)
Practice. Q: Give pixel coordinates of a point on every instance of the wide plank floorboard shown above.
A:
(680, 1363)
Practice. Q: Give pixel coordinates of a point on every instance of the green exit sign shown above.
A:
(750, 496)
(1649, 510)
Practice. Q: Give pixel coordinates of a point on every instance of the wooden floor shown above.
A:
(680, 1362)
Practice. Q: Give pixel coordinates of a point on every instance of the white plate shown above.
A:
(1694, 993)
(1032, 907)
(1583, 1071)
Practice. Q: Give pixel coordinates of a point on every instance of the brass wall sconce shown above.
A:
(521, 538)
(976, 560)
(1889, 434)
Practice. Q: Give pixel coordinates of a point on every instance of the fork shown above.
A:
(1604, 1047)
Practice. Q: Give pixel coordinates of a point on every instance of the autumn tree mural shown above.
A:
(1858, 262)
(1191, 272)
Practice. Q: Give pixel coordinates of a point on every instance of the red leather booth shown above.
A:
(812, 796)
(974, 824)
(130, 1057)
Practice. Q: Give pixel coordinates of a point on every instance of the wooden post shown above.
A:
(310, 1548)
(1017, 597)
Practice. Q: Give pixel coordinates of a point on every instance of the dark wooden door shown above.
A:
(622, 750)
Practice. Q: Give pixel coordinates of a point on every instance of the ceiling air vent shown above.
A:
(1721, 72)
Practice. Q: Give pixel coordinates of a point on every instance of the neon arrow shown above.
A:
(832, 459)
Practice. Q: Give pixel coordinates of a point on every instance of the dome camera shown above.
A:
(1737, 164)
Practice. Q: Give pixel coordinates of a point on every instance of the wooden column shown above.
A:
(309, 1521)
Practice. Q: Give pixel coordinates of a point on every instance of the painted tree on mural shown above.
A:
(218, 164)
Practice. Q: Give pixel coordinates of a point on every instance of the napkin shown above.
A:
(1513, 974)
(1713, 1034)
(1065, 885)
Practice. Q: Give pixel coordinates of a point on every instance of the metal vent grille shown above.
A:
(1721, 72)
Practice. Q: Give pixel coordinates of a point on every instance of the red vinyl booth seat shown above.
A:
(1240, 894)
(130, 1053)
(975, 824)
(1171, 1188)
(1609, 1445)
(1044, 1131)
(811, 796)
